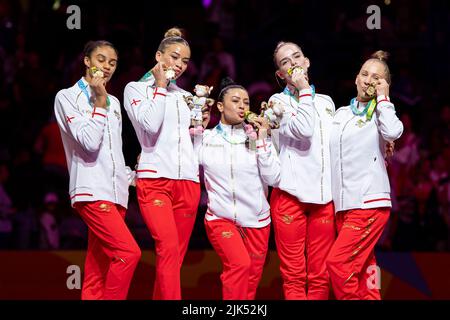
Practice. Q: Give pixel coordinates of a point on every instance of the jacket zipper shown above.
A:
(112, 159)
(341, 161)
(179, 141)
(232, 180)
(322, 156)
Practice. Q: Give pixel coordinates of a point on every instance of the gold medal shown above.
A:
(250, 116)
(96, 72)
(371, 90)
(170, 74)
(295, 70)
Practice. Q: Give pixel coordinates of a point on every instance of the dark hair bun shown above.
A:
(227, 81)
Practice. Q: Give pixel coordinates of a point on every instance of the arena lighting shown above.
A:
(206, 3)
(56, 5)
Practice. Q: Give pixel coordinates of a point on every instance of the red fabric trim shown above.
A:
(148, 170)
(381, 199)
(157, 93)
(384, 100)
(264, 218)
(209, 213)
(98, 114)
(82, 194)
(305, 95)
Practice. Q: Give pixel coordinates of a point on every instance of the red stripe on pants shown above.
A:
(353, 252)
(304, 234)
(169, 208)
(112, 254)
(243, 253)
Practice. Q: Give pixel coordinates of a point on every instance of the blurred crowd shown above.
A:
(39, 55)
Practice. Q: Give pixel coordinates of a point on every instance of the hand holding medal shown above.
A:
(98, 86)
(162, 74)
(298, 77)
(382, 88)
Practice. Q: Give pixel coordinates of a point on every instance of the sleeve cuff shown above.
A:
(158, 91)
(383, 98)
(305, 93)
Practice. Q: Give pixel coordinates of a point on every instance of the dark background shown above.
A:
(39, 56)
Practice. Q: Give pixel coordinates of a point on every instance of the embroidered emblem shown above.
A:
(257, 256)
(158, 203)
(346, 225)
(117, 114)
(329, 111)
(104, 207)
(287, 219)
(227, 234)
(135, 102)
(360, 123)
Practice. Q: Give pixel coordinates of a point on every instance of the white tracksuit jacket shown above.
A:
(161, 119)
(357, 146)
(93, 147)
(303, 142)
(236, 176)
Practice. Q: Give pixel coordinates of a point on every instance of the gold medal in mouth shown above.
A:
(294, 70)
(250, 116)
(371, 90)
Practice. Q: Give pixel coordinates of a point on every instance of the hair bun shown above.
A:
(227, 81)
(380, 55)
(173, 32)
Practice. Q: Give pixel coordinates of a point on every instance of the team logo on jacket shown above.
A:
(360, 123)
(158, 203)
(329, 111)
(227, 234)
(117, 114)
(104, 207)
(287, 218)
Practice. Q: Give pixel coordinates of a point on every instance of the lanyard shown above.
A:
(83, 88)
(289, 93)
(149, 74)
(368, 110)
(225, 136)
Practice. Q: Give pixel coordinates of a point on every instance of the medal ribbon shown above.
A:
(83, 88)
(368, 110)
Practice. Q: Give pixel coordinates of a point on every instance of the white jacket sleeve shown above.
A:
(389, 125)
(148, 113)
(301, 125)
(198, 146)
(268, 162)
(87, 131)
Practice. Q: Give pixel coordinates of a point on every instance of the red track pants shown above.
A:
(351, 262)
(112, 254)
(243, 253)
(304, 234)
(169, 208)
